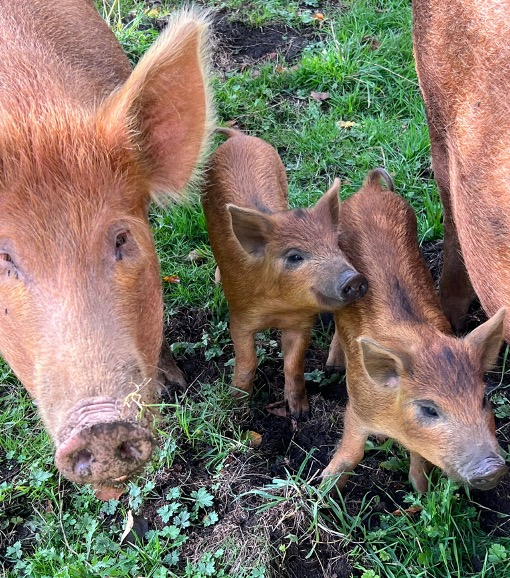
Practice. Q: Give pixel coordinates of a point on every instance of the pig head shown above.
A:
(85, 144)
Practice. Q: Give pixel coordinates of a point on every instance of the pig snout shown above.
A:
(352, 285)
(487, 473)
(102, 445)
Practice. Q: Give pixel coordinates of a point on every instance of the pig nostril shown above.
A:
(353, 286)
(128, 452)
(83, 463)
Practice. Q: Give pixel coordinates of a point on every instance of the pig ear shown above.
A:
(329, 204)
(164, 106)
(486, 340)
(383, 365)
(252, 228)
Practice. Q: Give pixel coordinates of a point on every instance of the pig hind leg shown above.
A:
(350, 451)
(294, 346)
(455, 289)
(336, 355)
(245, 357)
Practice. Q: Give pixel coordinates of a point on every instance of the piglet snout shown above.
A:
(352, 285)
(488, 473)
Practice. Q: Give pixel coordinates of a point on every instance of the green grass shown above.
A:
(52, 528)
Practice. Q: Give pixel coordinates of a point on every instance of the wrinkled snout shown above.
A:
(488, 473)
(352, 285)
(102, 447)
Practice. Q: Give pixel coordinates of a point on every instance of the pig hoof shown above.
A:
(240, 393)
(300, 414)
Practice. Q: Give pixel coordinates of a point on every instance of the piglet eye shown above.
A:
(295, 258)
(120, 239)
(429, 411)
(5, 257)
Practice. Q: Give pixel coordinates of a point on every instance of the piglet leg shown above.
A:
(294, 346)
(246, 357)
(418, 470)
(350, 451)
(336, 355)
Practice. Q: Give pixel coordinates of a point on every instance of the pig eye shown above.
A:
(429, 411)
(5, 257)
(120, 239)
(293, 258)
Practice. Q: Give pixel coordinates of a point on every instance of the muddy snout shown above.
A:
(103, 449)
(488, 473)
(352, 285)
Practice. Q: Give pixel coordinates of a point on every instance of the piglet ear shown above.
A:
(384, 366)
(328, 205)
(252, 228)
(164, 106)
(486, 340)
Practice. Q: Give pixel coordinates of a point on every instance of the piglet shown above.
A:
(279, 267)
(408, 378)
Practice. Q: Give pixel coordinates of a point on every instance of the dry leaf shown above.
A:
(345, 124)
(411, 510)
(318, 16)
(129, 526)
(255, 73)
(373, 42)
(319, 95)
(278, 408)
(107, 493)
(172, 279)
(196, 256)
(231, 123)
(279, 68)
(217, 276)
(254, 438)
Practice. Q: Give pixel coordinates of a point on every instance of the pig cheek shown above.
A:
(18, 334)
(142, 309)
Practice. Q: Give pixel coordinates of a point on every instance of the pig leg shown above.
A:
(167, 368)
(336, 355)
(245, 357)
(418, 470)
(455, 289)
(350, 451)
(294, 346)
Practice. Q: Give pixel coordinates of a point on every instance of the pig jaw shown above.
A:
(104, 442)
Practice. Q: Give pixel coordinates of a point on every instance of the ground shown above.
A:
(270, 514)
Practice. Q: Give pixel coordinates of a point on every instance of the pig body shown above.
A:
(462, 54)
(85, 144)
(279, 267)
(408, 378)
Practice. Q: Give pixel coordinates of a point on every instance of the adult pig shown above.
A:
(462, 53)
(85, 143)
(279, 267)
(407, 377)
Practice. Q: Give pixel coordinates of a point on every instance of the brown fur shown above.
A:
(463, 62)
(84, 145)
(251, 231)
(401, 358)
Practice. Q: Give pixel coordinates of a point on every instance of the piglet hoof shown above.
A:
(241, 393)
(299, 411)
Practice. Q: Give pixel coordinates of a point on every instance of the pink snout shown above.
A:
(104, 452)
